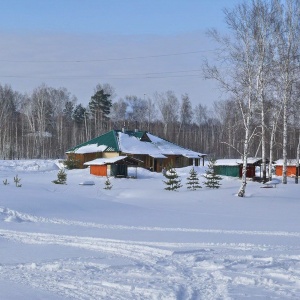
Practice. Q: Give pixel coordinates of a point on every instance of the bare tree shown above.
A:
(118, 112)
(287, 41)
(8, 121)
(151, 112)
(136, 110)
(186, 114)
(264, 25)
(168, 105)
(231, 121)
(39, 112)
(238, 54)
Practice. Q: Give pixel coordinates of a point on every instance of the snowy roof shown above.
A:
(236, 161)
(290, 162)
(104, 161)
(131, 144)
(134, 142)
(92, 148)
(227, 162)
(168, 148)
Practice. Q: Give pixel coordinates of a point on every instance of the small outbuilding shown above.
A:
(114, 166)
(291, 167)
(234, 167)
(227, 167)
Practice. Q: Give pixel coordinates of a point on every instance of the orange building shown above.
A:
(291, 167)
(115, 166)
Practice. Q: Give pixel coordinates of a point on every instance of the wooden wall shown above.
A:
(290, 171)
(98, 170)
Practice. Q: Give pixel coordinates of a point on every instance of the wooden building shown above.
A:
(291, 167)
(152, 152)
(115, 166)
(234, 167)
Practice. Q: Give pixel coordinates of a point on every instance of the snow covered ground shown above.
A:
(139, 241)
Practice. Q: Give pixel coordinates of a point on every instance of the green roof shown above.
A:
(108, 139)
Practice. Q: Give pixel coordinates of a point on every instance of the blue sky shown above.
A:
(42, 42)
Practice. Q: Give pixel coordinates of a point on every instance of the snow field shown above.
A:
(138, 241)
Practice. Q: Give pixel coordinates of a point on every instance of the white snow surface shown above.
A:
(103, 161)
(92, 148)
(290, 162)
(156, 148)
(235, 162)
(139, 241)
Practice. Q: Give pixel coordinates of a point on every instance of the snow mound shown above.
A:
(9, 215)
(29, 165)
(87, 182)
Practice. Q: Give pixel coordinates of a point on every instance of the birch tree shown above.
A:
(168, 106)
(186, 114)
(264, 25)
(287, 41)
(238, 72)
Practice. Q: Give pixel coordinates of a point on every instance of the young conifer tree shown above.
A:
(61, 177)
(212, 179)
(173, 181)
(107, 183)
(193, 181)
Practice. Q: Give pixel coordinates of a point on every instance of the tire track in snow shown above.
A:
(14, 216)
(129, 249)
(218, 272)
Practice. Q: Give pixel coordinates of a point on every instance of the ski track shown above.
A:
(9, 215)
(153, 270)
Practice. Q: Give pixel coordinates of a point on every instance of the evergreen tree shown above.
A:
(71, 162)
(17, 181)
(78, 114)
(100, 103)
(173, 181)
(108, 185)
(61, 177)
(68, 111)
(212, 179)
(193, 180)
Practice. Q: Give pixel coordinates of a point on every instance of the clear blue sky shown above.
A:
(61, 30)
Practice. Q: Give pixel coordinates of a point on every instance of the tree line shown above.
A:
(49, 121)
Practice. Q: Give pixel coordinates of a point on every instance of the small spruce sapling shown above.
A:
(61, 177)
(108, 185)
(17, 181)
(212, 179)
(193, 181)
(173, 181)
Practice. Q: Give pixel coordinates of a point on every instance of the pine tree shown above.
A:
(108, 185)
(61, 177)
(17, 181)
(100, 102)
(71, 162)
(78, 114)
(193, 180)
(173, 180)
(212, 179)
